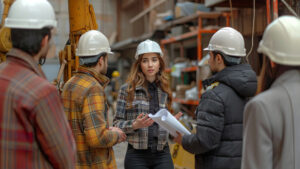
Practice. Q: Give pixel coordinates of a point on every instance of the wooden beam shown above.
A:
(126, 3)
(235, 3)
(152, 17)
(210, 3)
(210, 15)
(146, 11)
(119, 19)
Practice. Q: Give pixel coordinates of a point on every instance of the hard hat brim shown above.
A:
(279, 57)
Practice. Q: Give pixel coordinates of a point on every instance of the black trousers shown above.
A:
(148, 159)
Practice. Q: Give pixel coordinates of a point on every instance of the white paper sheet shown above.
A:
(166, 120)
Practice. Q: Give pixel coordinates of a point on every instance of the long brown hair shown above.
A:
(269, 74)
(266, 76)
(137, 78)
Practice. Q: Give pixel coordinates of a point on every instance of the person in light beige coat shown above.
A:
(272, 118)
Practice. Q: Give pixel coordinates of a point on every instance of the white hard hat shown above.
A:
(30, 14)
(92, 43)
(148, 46)
(281, 41)
(228, 41)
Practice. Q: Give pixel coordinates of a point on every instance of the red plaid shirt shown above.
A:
(34, 132)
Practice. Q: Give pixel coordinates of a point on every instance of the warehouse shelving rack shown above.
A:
(198, 33)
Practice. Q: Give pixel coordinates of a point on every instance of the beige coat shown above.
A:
(272, 126)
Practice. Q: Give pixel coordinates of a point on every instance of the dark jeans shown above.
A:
(148, 159)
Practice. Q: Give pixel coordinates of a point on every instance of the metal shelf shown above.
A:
(198, 33)
(180, 37)
(183, 101)
(186, 36)
(190, 69)
(235, 3)
(187, 69)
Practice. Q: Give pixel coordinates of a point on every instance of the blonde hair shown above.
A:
(137, 78)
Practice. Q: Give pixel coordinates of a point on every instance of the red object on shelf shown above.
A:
(182, 101)
(168, 70)
(190, 69)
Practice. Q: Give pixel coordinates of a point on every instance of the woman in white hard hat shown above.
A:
(147, 90)
(271, 119)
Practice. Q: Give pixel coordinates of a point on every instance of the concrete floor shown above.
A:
(120, 151)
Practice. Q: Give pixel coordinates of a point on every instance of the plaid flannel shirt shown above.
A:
(126, 114)
(86, 108)
(34, 131)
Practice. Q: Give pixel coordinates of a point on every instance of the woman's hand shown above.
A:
(178, 115)
(141, 122)
(178, 138)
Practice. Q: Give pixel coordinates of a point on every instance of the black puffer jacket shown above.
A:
(218, 140)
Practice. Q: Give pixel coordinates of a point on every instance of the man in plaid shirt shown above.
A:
(34, 132)
(86, 107)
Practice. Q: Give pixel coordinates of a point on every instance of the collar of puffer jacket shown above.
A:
(240, 78)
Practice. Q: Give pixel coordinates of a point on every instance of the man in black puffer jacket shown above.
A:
(217, 143)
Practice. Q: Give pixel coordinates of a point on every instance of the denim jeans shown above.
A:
(148, 159)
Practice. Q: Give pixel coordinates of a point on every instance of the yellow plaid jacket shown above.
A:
(86, 109)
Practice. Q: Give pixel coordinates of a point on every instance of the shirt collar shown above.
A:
(287, 77)
(102, 79)
(27, 60)
(152, 86)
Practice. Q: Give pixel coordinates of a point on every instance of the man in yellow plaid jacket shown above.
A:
(86, 107)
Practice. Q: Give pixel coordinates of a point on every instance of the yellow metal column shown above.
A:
(81, 19)
(5, 41)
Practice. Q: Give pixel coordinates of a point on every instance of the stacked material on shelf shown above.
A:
(189, 8)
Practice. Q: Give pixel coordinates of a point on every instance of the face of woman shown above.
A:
(150, 65)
